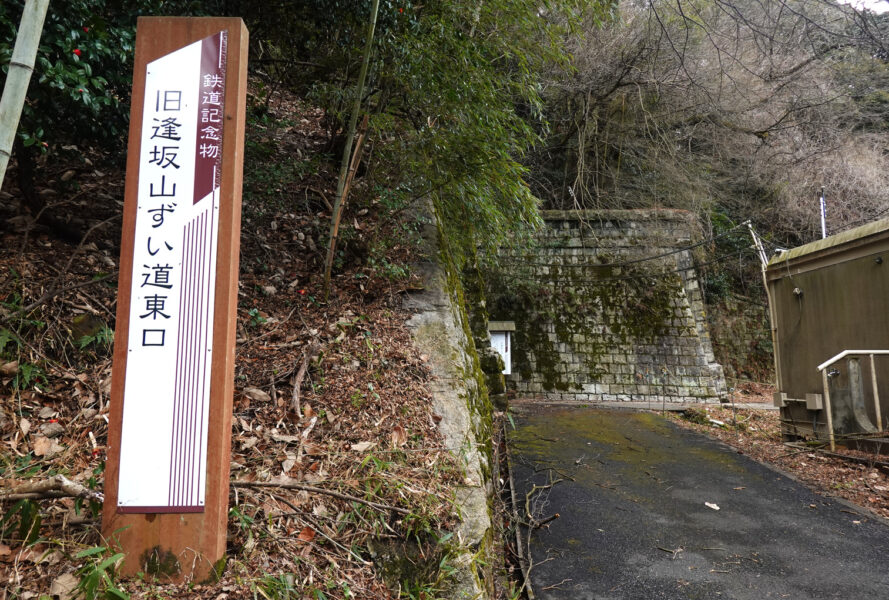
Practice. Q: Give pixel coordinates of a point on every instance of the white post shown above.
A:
(20, 68)
(773, 315)
(823, 216)
(873, 380)
(825, 381)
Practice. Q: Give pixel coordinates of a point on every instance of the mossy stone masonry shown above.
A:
(608, 308)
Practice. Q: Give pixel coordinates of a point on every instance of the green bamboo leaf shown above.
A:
(90, 552)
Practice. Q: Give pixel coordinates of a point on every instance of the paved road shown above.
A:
(631, 490)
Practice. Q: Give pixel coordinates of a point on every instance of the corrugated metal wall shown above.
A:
(830, 296)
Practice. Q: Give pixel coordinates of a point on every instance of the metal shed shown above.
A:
(829, 305)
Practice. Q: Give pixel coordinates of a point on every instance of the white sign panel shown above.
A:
(500, 343)
(166, 404)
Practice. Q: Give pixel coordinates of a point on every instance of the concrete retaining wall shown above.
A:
(440, 329)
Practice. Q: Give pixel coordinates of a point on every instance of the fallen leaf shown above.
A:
(306, 535)
(363, 446)
(25, 426)
(248, 443)
(256, 394)
(34, 554)
(399, 436)
(711, 505)
(308, 411)
(314, 478)
(52, 430)
(10, 368)
(43, 446)
(313, 449)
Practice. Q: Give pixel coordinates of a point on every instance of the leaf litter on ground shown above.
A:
(365, 429)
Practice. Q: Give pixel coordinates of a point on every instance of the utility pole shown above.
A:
(19, 76)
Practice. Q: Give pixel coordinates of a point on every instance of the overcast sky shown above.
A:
(878, 6)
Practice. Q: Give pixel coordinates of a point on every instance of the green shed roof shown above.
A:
(832, 241)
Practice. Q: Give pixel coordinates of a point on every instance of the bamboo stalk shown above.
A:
(347, 150)
(341, 204)
(19, 76)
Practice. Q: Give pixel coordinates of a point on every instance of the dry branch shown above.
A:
(57, 486)
(543, 522)
(316, 490)
(308, 356)
(55, 292)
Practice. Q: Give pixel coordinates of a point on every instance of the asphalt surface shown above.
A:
(631, 488)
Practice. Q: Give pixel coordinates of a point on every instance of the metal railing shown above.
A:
(825, 376)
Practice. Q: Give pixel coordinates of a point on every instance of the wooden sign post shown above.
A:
(169, 437)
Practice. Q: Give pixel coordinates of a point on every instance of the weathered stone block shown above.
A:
(590, 340)
(490, 361)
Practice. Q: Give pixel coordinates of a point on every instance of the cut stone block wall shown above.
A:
(608, 308)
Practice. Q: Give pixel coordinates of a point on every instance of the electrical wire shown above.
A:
(854, 224)
(569, 280)
(637, 260)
